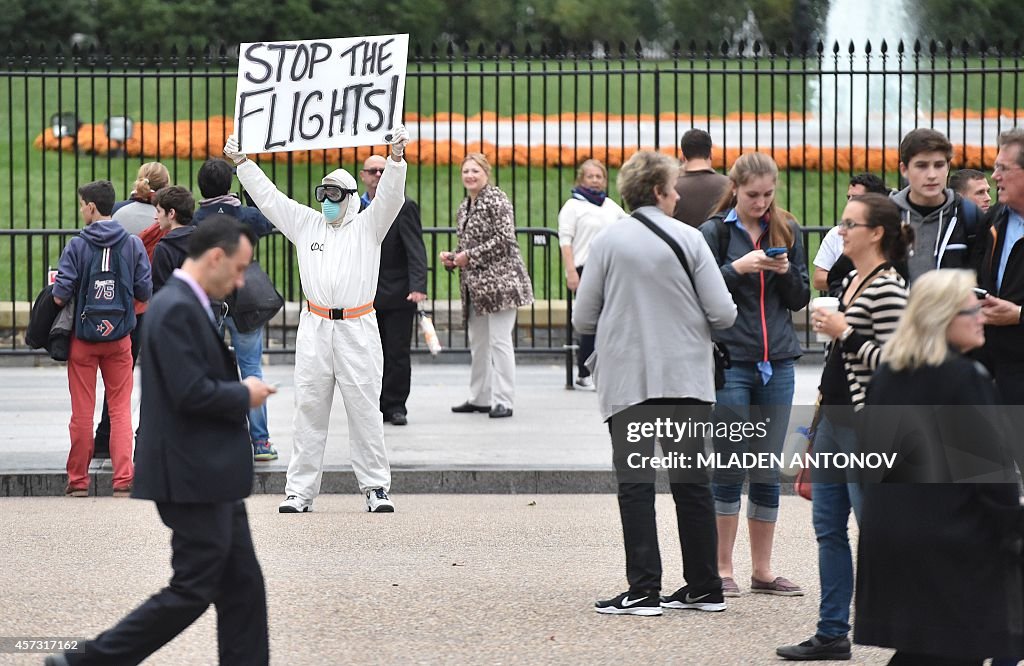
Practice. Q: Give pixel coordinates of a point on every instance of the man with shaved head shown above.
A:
(401, 285)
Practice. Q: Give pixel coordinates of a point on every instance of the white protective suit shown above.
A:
(338, 266)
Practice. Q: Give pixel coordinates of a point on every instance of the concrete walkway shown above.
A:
(448, 579)
(555, 442)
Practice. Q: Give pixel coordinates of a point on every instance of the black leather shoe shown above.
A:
(56, 660)
(817, 649)
(398, 418)
(500, 412)
(468, 408)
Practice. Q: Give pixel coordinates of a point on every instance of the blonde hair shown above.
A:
(745, 169)
(152, 176)
(644, 173)
(590, 163)
(481, 161)
(920, 337)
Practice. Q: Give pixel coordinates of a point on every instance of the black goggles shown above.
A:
(331, 193)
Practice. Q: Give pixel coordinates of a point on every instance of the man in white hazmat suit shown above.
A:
(338, 341)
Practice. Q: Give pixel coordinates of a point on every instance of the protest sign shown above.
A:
(319, 93)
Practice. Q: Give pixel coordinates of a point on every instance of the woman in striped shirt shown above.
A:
(872, 300)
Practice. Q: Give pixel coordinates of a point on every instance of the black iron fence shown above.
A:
(823, 111)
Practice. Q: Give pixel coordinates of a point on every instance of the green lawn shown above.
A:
(37, 189)
(537, 196)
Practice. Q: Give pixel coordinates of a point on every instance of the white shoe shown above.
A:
(294, 504)
(377, 501)
(585, 384)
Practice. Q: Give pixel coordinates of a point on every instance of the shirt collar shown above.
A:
(196, 289)
(366, 199)
(734, 218)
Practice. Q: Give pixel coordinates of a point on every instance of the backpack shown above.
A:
(105, 306)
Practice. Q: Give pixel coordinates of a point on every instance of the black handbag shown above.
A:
(718, 350)
(256, 302)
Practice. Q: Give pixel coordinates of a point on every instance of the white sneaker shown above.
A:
(585, 384)
(377, 501)
(294, 504)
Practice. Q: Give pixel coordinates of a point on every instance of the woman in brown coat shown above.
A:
(494, 284)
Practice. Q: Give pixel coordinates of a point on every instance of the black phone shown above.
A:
(980, 293)
(776, 251)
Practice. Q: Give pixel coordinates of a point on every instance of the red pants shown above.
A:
(114, 360)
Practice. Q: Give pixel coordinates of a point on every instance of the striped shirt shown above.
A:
(874, 316)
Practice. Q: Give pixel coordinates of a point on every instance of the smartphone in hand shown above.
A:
(774, 252)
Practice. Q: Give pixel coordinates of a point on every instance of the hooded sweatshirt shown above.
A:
(943, 238)
(169, 254)
(74, 262)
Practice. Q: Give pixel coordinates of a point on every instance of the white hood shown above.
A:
(344, 179)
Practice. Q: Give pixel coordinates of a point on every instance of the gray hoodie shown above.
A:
(942, 239)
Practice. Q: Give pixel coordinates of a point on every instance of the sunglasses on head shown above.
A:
(377, 171)
(331, 193)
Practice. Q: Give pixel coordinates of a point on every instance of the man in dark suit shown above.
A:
(194, 460)
(401, 285)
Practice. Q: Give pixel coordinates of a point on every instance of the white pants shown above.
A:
(492, 377)
(346, 353)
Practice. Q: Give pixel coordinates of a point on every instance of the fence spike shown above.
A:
(965, 47)
(820, 47)
(982, 46)
(867, 47)
(789, 47)
(528, 50)
(724, 47)
(638, 47)
(835, 48)
(917, 47)
(884, 47)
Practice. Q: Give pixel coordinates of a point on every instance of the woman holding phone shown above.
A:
(758, 247)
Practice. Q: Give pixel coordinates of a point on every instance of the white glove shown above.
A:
(399, 137)
(233, 152)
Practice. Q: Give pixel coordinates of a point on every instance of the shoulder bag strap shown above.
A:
(672, 244)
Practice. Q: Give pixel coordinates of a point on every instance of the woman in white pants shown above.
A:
(494, 283)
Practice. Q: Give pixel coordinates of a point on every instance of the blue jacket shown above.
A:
(252, 217)
(78, 253)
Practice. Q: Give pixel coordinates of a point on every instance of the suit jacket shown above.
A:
(403, 260)
(193, 442)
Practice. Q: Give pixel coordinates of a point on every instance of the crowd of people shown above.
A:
(692, 315)
(912, 327)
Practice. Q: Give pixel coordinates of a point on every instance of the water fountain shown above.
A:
(866, 108)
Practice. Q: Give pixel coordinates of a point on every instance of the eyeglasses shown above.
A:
(1003, 168)
(374, 171)
(850, 224)
(969, 312)
(331, 193)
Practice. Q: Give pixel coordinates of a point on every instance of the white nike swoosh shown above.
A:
(627, 602)
(693, 600)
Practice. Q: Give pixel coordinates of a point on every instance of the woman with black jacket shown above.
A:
(758, 247)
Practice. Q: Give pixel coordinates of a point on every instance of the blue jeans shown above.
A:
(772, 402)
(831, 511)
(249, 353)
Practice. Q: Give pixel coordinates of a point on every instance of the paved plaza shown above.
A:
(492, 562)
(489, 579)
(555, 442)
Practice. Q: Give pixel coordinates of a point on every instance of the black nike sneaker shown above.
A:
(630, 603)
(685, 598)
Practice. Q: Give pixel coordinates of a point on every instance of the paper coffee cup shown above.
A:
(829, 303)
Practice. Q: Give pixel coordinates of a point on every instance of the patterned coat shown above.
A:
(495, 278)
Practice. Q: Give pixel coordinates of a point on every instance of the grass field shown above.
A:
(37, 189)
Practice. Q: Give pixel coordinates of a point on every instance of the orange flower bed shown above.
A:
(200, 139)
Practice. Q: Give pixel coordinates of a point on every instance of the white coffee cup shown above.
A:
(827, 303)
